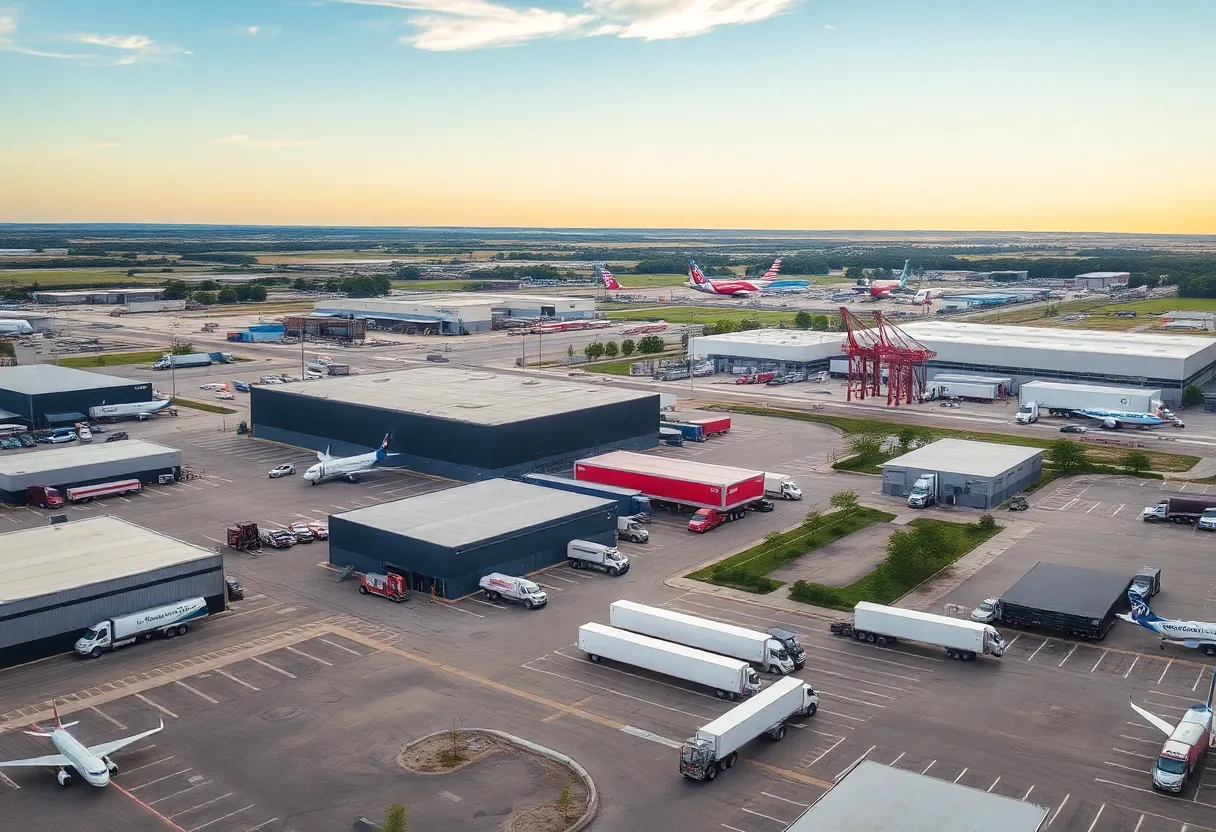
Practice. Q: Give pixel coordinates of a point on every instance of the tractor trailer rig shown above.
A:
(675, 484)
(962, 640)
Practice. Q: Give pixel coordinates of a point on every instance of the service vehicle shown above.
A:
(302, 533)
(1186, 746)
(276, 538)
(197, 359)
(924, 491)
(728, 678)
(169, 620)
(319, 530)
(390, 586)
(879, 624)
(43, 496)
(781, 485)
(282, 471)
(584, 554)
(708, 519)
(498, 586)
(756, 648)
(1074, 429)
(715, 747)
(1147, 582)
(244, 537)
(117, 436)
(87, 493)
(234, 590)
(1179, 508)
(675, 484)
(631, 502)
(631, 530)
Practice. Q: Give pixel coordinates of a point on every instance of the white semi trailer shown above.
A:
(962, 639)
(716, 747)
(751, 646)
(729, 678)
(169, 621)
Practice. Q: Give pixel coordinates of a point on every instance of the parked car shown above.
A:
(985, 613)
(27, 440)
(117, 436)
(84, 434)
(60, 437)
(319, 530)
(240, 386)
(276, 538)
(1074, 429)
(760, 505)
(10, 442)
(213, 386)
(282, 471)
(96, 428)
(236, 592)
(224, 396)
(302, 533)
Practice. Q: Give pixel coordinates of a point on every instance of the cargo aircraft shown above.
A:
(879, 289)
(347, 467)
(1114, 419)
(742, 288)
(1194, 634)
(93, 762)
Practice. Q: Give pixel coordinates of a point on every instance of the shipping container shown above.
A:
(674, 481)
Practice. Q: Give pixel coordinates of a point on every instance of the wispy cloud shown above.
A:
(8, 27)
(829, 26)
(136, 48)
(265, 144)
(81, 150)
(445, 25)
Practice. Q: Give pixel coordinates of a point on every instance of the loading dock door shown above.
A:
(548, 311)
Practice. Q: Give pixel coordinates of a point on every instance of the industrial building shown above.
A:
(66, 466)
(974, 474)
(45, 395)
(1023, 353)
(1100, 280)
(460, 424)
(99, 296)
(454, 313)
(325, 326)
(446, 541)
(879, 798)
(61, 579)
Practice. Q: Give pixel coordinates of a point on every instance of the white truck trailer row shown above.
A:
(963, 640)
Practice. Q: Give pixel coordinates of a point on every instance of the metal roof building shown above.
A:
(976, 474)
(448, 540)
(878, 798)
(100, 296)
(47, 394)
(455, 313)
(455, 423)
(64, 466)
(61, 579)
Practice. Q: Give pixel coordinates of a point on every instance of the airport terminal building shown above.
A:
(1023, 353)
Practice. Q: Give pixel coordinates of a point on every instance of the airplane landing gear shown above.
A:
(64, 778)
(111, 766)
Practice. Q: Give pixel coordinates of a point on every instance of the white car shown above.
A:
(517, 590)
(225, 396)
(282, 471)
(84, 434)
(985, 613)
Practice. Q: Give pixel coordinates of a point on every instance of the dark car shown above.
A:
(1074, 429)
(761, 505)
(236, 592)
(117, 436)
(10, 442)
(27, 440)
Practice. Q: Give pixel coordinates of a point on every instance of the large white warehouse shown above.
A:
(455, 313)
(1127, 359)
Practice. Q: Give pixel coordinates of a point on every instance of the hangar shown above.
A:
(446, 541)
(975, 474)
(60, 580)
(45, 395)
(1023, 353)
(455, 313)
(73, 465)
(459, 424)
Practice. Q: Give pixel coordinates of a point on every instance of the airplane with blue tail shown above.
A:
(1197, 635)
(347, 467)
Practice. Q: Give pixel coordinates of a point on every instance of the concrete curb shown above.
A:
(593, 797)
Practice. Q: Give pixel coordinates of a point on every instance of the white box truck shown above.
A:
(924, 491)
(751, 646)
(963, 640)
(781, 485)
(169, 620)
(716, 747)
(729, 678)
(584, 554)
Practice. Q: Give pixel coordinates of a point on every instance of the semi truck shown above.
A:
(756, 648)
(975, 390)
(196, 359)
(728, 678)
(715, 747)
(781, 485)
(630, 501)
(879, 624)
(703, 428)
(674, 484)
(169, 620)
(1179, 508)
(585, 554)
(1060, 399)
(689, 433)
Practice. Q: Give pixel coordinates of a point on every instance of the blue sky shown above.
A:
(728, 113)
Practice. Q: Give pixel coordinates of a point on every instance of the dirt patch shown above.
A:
(443, 753)
(552, 817)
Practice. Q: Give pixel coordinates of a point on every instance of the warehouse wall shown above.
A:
(972, 492)
(146, 469)
(36, 627)
(375, 550)
(72, 400)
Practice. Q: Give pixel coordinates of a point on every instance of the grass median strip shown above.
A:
(113, 359)
(207, 406)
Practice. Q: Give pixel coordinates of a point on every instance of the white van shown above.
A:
(583, 554)
(516, 590)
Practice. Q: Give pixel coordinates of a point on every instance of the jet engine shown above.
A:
(1110, 424)
(64, 778)
(111, 766)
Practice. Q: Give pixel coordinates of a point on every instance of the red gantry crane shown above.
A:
(869, 348)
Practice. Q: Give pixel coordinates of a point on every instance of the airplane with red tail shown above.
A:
(741, 288)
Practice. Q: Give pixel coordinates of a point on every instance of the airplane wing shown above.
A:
(114, 745)
(48, 760)
(1160, 723)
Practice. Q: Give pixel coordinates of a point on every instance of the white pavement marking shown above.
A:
(1135, 754)
(201, 805)
(182, 791)
(1125, 768)
(1069, 656)
(731, 828)
(647, 735)
(487, 603)
(785, 799)
(1027, 795)
(455, 608)
(855, 762)
(850, 699)
(7, 781)
(1058, 809)
(228, 675)
(1095, 505)
(160, 708)
(308, 656)
(1167, 670)
(159, 779)
(560, 578)
(1139, 739)
(1068, 505)
(762, 815)
(217, 820)
(1137, 829)
(285, 610)
(897, 759)
(994, 782)
(146, 765)
(1095, 823)
(960, 775)
(926, 771)
(1202, 670)
(1036, 651)
(1099, 661)
(213, 540)
(334, 644)
(610, 690)
(1133, 667)
(198, 693)
(825, 753)
(272, 667)
(260, 825)
(108, 718)
(1011, 643)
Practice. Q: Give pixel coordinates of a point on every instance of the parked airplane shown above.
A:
(114, 411)
(347, 467)
(1194, 634)
(1187, 745)
(878, 289)
(1114, 419)
(15, 327)
(610, 282)
(93, 763)
(741, 288)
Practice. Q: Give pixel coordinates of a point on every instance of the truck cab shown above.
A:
(789, 641)
(1027, 413)
(584, 554)
(924, 491)
(1147, 582)
(707, 519)
(790, 491)
(43, 496)
(1184, 750)
(630, 529)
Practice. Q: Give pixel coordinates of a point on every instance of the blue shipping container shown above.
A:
(629, 501)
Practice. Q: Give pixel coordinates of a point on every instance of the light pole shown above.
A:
(172, 362)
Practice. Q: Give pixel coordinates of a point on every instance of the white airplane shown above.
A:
(1194, 634)
(15, 327)
(113, 411)
(347, 467)
(93, 763)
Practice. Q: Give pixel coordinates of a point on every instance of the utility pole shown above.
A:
(302, 326)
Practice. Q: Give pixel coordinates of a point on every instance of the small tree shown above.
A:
(627, 347)
(986, 522)
(1066, 456)
(802, 320)
(182, 349)
(7, 348)
(205, 298)
(611, 349)
(593, 350)
(570, 350)
(844, 501)
(810, 524)
(565, 802)
(821, 323)
(650, 344)
(866, 445)
(1136, 463)
(1192, 395)
(227, 295)
(394, 818)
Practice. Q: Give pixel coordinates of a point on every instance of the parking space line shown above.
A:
(1095, 821)
(926, 771)
(160, 779)
(160, 708)
(181, 791)
(217, 820)
(1167, 670)
(1013, 641)
(850, 699)
(147, 765)
(560, 578)
(897, 759)
(1116, 511)
(610, 690)
(148, 806)
(228, 675)
(1133, 667)
(1095, 505)
(821, 672)
(314, 658)
(1125, 768)
(1200, 679)
(201, 805)
(1036, 651)
(1139, 739)
(1099, 661)
(960, 775)
(213, 540)
(8, 781)
(340, 647)
(1058, 809)
(825, 753)
(272, 667)
(487, 604)
(762, 815)
(260, 825)
(1135, 754)
(993, 786)
(731, 828)
(1069, 656)
(849, 767)
(1026, 796)
(197, 692)
(108, 718)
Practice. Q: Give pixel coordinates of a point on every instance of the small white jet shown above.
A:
(93, 763)
(15, 327)
(1198, 635)
(347, 467)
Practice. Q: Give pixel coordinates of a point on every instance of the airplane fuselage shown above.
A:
(338, 468)
(1122, 417)
(92, 768)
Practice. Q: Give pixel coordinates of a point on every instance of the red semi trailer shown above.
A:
(674, 483)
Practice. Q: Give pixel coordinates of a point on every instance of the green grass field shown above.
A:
(114, 359)
(700, 315)
(65, 277)
(1100, 315)
(197, 405)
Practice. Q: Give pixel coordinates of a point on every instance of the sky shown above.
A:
(1081, 115)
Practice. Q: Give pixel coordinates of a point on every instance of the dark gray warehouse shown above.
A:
(458, 424)
(975, 474)
(71, 465)
(46, 395)
(60, 580)
(448, 540)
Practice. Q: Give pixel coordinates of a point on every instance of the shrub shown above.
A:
(824, 596)
(986, 522)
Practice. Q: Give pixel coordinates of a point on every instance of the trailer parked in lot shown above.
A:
(716, 747)
(85, 493)
(880, 624)
(1061, 399)
(169, 620)
(759, 649)
(674, 483)
(1069, 599)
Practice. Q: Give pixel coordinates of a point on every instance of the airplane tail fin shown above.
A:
(382, 451)
(903, 276)
(695, 274)
(610, 282)
(1141, 614)
(771, 274)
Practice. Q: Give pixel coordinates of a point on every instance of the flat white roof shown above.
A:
(1105, 274)
(666, 466)
(51, 458)
(466, 395)
(962, 456)
(783, 337)
(35, 379)
(1052, 338)
(48, 559)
